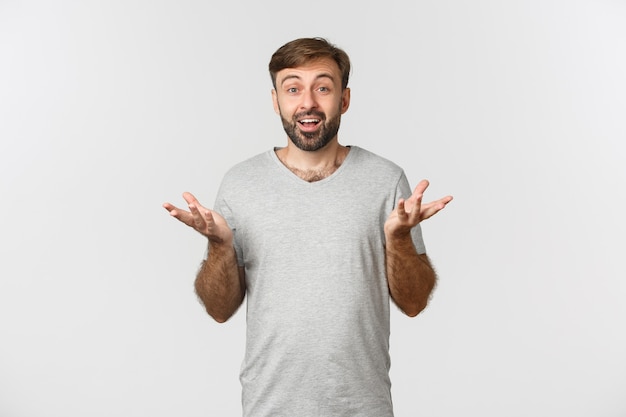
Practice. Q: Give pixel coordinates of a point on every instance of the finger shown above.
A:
(198, 219)
(421, 187)
(401, 209)
(432, 208)
(208, 218)
(169, 207)
(175, 211)
(416, 198)
(182, 216)
(190, 198)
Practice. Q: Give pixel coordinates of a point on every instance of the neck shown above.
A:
(313, 166)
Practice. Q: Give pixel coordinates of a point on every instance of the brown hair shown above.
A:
(301, 51)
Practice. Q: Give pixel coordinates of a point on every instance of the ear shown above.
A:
(275, 102)
(345, 100)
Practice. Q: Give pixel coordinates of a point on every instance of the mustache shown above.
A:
(316, 113)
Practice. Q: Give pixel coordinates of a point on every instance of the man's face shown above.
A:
(310, 102)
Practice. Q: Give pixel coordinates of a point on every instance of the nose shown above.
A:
(308, 100)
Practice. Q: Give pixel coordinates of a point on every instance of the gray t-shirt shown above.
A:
(317, 341)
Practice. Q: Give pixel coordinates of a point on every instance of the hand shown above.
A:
(411, 212)
(207, 222)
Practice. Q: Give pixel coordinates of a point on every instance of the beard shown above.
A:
(311, 141)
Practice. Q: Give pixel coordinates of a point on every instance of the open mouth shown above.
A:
(309, 124)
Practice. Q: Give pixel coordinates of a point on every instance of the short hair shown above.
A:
(304, 50)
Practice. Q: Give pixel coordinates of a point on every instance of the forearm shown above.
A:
(219, 283)
(410, 275)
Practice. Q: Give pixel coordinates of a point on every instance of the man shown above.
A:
(319, 236)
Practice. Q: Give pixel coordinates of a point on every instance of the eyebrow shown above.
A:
(297, 77)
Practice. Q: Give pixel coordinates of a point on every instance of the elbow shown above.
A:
(410, 306)
(412, 313)
(414, 310)
(219, 317)
(414, 306)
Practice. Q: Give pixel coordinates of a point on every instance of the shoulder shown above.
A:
(248, 177)
(242, 172)
(255, 162)
(375, 163)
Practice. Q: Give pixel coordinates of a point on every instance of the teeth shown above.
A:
(309, 121)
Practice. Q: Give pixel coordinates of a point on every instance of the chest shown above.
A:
(311, 219)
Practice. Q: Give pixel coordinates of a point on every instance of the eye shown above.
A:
(292, 90)
(324, 89)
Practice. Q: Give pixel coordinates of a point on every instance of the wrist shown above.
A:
(399, 234)
(220, 245)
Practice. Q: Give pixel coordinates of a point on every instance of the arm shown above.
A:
(410, 275)
(220, 283)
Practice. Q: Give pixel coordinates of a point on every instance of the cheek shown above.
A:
(284, 106)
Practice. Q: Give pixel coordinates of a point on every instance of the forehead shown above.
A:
(324, 67)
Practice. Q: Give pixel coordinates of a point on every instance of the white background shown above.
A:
(110, 108)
